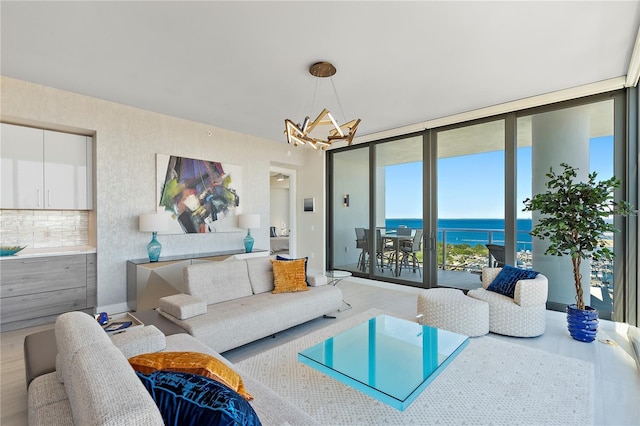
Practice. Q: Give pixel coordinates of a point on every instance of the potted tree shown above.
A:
(574, 223)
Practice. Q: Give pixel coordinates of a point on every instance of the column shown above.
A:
(559, 137)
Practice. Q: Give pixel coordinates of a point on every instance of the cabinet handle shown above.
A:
(26, 262)
(48, 198)
(38, 197)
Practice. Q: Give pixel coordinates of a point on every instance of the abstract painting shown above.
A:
(202, 196)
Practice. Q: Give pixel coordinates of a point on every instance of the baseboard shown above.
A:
(386, 285)
(117, 308)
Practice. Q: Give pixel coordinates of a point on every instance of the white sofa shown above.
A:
(524, 315)
(95, 385)
(229, 304)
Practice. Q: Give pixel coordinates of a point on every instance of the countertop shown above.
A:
(50, 251)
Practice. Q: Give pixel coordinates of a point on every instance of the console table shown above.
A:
(147, 281)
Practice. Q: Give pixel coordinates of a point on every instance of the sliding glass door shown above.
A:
(350, 210)
(582, 136)
(398, 210)
(462, 187)
(471, 198)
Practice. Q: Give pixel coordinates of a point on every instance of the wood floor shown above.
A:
(617, 379)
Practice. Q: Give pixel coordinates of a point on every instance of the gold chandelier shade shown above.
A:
(301, 134)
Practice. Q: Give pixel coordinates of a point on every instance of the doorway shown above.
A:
(282, 215)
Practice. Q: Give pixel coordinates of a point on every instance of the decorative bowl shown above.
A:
(10, 250)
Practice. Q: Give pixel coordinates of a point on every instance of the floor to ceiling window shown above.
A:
(468, 182)
(350, 210)
(470, 214)
(583, 137)
(398, 190)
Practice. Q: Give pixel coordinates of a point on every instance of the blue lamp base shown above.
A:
(154, 248)
(248, 242)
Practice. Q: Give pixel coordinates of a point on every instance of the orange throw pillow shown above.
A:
(289, 276)
(191, 362)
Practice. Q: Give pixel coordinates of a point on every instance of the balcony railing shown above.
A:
(474, 261)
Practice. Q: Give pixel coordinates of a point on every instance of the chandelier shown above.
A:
(311, 132)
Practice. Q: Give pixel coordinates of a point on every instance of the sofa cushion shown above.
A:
(306, 263)
(260, 274)
(104, 390)
(231, 324)
(190, 399)
(505, 282)
(191, 362)
(183, 306)
(140, 340)
(47, 401)
(216, 282)
(289, 276)
(75, 330)
(272, 409)
(316, 280)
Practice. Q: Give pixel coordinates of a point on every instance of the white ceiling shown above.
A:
(244, 65)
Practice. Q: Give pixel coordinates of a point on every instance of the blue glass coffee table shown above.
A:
(388, 358)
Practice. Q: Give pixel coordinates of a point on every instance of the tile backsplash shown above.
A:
(44, 228)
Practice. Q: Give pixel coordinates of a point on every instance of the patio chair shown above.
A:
(410, 252)
(361, 243)
(382, 251)
(403, 230)
(496, 255)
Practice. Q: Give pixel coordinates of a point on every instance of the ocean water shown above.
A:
(471, 231)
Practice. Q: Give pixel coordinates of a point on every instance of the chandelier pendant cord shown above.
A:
(315, 93)
(335, 92)
(305, 102)
(300, 134)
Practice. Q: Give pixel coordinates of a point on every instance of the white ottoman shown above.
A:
(450, 309)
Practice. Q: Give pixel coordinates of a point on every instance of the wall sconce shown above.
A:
(345, 200)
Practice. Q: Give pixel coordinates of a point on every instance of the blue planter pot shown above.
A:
(582, 324)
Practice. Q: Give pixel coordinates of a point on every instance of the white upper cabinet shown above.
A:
(43, 169)
(66, 169)
(22, 172)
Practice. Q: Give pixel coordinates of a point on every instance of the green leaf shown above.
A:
(573, 215)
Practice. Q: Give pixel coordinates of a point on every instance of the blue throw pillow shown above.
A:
(306, 260)
(505, 282)
(189, 399)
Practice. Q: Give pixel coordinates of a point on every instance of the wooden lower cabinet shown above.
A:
(35, 290)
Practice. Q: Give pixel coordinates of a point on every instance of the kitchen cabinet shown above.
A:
(35, 290)
(44, 169)
(22, 167)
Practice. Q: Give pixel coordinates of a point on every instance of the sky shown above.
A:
(474, 183)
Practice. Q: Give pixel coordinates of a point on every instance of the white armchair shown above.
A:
(522, 316)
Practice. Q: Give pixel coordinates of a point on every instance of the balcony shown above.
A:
(460, 263)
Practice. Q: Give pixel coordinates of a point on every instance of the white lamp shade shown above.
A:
(249, 221)
(153, 222)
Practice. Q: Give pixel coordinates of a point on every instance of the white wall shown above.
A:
(127, 140)
(310, 229)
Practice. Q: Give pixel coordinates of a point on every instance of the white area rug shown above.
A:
(489, 382)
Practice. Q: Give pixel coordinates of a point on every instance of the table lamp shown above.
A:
(153, 222)
(248, 221)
